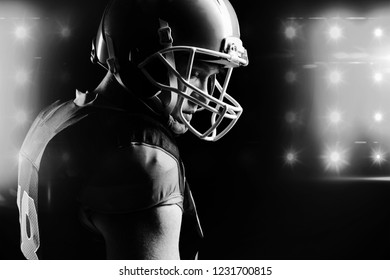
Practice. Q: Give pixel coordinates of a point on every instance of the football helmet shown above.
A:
(142, 41)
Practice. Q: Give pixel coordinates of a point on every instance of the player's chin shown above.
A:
(181, 129)
(178, 127)
(187, 117)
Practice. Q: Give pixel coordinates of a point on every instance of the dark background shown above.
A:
(250, 204)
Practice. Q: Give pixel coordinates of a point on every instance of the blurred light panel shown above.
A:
(20, 23)
(351, 78)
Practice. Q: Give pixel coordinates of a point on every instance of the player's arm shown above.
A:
(147, 234)
(137, 205)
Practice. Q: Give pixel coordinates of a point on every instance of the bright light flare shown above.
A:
(291, 77)
(378, 32)
(290, 32)
(378, 117)
(334, 117)
(291, 117)
(335, 32)
(378, 156)
(335, 159)
(378, 77)
(65, 32)
(291, 157)
(21, 32)
(335, 77)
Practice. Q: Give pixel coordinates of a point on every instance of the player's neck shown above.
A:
(114, 93)
(109, 86)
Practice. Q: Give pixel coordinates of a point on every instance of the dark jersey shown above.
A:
(82, 156)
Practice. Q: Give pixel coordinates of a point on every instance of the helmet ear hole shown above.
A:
(136, 82)
(156, 69)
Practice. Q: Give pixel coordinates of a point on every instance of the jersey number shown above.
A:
(29, 230)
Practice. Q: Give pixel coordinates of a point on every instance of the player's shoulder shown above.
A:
(140, 145)
(137, 173)
(49, 122)
(128, 123)
(112, 137)
(146, 131)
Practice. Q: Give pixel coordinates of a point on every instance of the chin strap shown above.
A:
(153, 103)
(112, 61)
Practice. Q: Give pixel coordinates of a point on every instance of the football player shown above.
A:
(101, 176)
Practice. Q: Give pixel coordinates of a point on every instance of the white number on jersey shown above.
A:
(28, 218)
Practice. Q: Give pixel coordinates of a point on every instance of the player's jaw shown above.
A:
(186, 110)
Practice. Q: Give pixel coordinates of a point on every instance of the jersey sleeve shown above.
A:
(136, 177)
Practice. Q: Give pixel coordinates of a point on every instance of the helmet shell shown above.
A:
(133, 27)
(142, 41)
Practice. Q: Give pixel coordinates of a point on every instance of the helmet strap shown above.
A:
(153, 103)
(112, 61)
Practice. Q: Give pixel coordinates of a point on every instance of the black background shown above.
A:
(250, 205)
